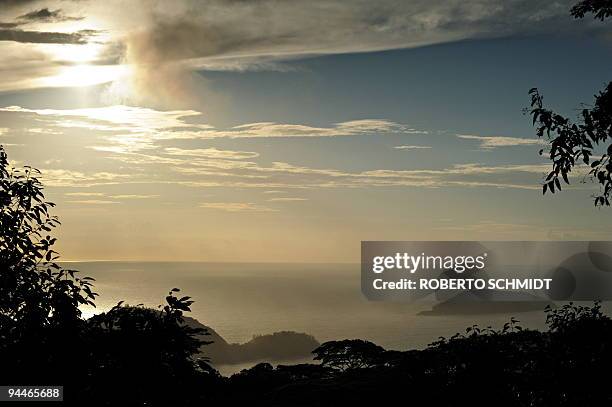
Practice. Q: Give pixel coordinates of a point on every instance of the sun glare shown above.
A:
(75, 53)
(79, 65)
(85, 75)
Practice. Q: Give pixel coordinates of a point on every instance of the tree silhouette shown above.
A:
(601, 9)
(565, 365)
(574, 142)
(35, 291)
(147, 356)
(40, 319)
(348, 354)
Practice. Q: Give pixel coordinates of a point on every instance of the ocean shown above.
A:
(240, 300)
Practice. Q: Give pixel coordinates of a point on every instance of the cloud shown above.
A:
(116, 118)
(39, 130)
(42, 37)
(212, 153)
(71, 178)
(165, 42)
(349, 128)
(412, 147)
(282, 29)
(4, 26)
(288, 199)
(84, 194)
(170, 44)
(13, 3)
(46, 15)
(475, 168)
(101, 194)
(140, 139)
(132, 129)
(286, 175)
(93, 202)
(236, 207)
(134, 196)
(491, 142)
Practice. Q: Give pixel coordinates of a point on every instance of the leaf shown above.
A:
(564, 175)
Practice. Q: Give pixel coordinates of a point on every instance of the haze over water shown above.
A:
(240, 300)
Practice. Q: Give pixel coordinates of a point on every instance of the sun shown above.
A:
(81, 75)
(74, 53)
(79, 65)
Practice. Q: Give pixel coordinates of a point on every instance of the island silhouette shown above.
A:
(278, 346)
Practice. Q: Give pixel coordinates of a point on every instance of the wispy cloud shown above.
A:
(115, 118)
(43, 37)
(133, 129)
(93, 202)
(286, 175)
(236, 207)
(70, 178)
(288, 199)
(150, 146)
(349, 128)
(134, 196)
(212, 153)
(412, 147)
(46, 15)
(491, 142)
(84, 194)
(102, 194)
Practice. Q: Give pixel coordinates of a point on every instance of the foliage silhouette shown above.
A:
(151, 352)
(601, 9)
(512, 366)
(574, 142)
(128, 355)
(34, 290)
(39, 299)
(348, 354)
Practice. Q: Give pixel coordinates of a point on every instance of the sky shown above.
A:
(289, 131)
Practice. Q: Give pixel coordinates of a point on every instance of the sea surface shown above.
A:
(240, 300)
